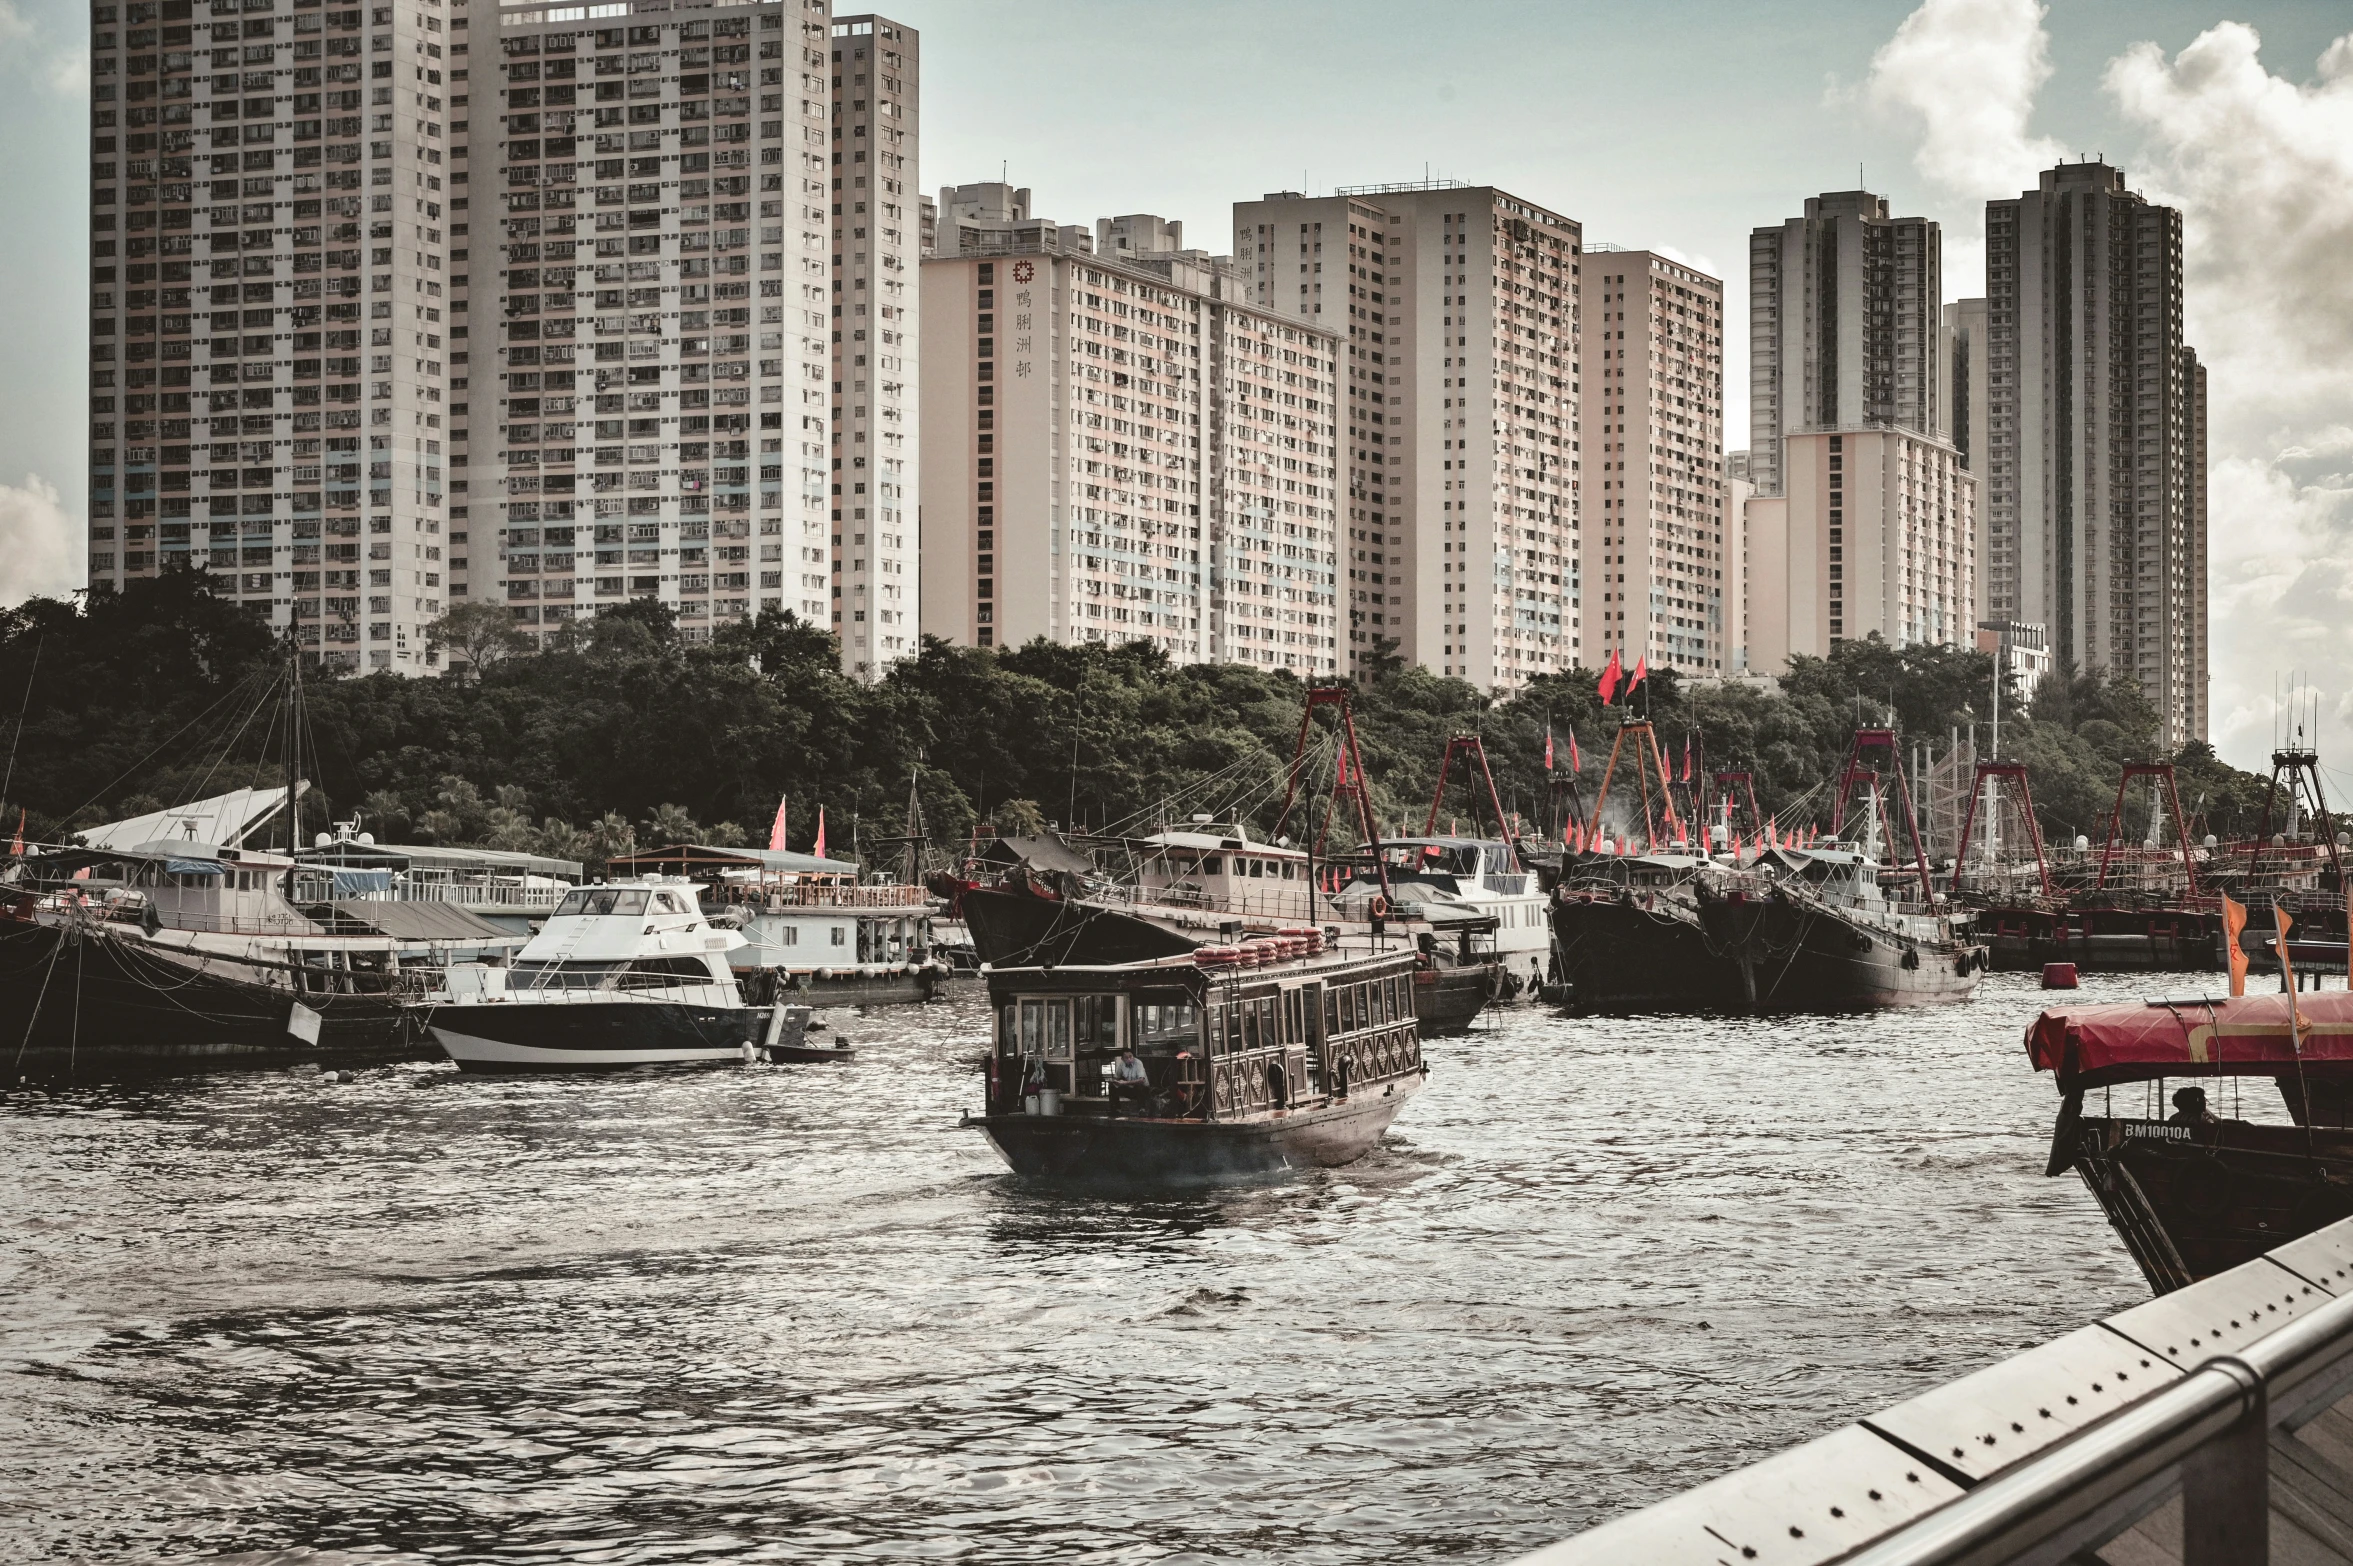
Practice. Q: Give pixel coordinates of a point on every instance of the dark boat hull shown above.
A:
(606, 1034)
(2192, 1201)
(2023, 939)
(107, 999)
(1788, 954)
(1019, 929)
(1448, 999)
(1097, 1149)
(1645, 952)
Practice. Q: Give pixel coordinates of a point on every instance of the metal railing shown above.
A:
(823, 895)
(2058, 1450)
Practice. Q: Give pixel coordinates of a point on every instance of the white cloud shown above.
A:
(65, 72)
(1968, 71)
(2262, 170)
(40, 546)
(68, 72)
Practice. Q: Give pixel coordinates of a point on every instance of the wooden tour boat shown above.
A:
(2195, 1194)
(1259, 1058)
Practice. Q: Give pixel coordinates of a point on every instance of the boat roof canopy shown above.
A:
(432, 856)
(2196, 1036)
(688, 858)
(1216, 843)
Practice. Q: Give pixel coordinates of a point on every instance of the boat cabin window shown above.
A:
(1348, 1007)
(655, 973)
(1095, 1023)
(1211, 865)
(1045, 1029)
(560, 975)
(667, 902)
(594, 900)
(1165, 1017)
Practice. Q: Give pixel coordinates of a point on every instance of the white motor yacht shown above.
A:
(630, 974)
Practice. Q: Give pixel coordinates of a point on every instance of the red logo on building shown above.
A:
(1023, 271)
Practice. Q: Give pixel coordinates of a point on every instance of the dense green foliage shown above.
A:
(627, 734)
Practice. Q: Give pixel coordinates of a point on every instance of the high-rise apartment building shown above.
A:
(994, 220)
(1653, 465)
(652, 358)
(2095, 463)
(1458, 309)
(1874, 534)
(877, 246)
(559, 282)
(1121, 451)
(1966, 356)
(274, 328)
(1845, 326)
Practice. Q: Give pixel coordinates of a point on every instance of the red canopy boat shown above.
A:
(2095, 1046)
(2195, 1193)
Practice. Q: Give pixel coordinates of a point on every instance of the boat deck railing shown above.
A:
(819, 895)
(310, 888)
(2174, 1422)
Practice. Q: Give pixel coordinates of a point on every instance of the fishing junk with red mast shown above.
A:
(1831, 930)
(1787, 928)
(1625, 912)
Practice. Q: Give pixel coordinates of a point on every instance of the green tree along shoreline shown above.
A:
(623, 734)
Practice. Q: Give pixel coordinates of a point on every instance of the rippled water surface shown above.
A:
(792, 1313)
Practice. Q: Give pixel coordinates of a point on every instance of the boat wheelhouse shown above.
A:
(827, 936)
(628, 974)
(1258, 1058)
(1223, 872)
(1486, 877)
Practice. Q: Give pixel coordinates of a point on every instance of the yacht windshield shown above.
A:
(594, 900)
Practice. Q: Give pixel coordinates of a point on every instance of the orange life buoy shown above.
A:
(1379, 906)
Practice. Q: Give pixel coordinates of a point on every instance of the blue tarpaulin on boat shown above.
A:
(193, 866)
(358, 883)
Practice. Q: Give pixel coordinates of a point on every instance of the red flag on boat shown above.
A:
(1576, 762)
(1548, 747)
(1686, 758)
(17, 846)
(776, 842)
(819, 849)
(1641, 673)
(1610, 677)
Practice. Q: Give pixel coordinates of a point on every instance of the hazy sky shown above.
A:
(1677, 126)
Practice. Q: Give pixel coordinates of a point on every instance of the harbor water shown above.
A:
(792, 1313)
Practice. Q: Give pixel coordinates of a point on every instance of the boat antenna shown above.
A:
(293, 761)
